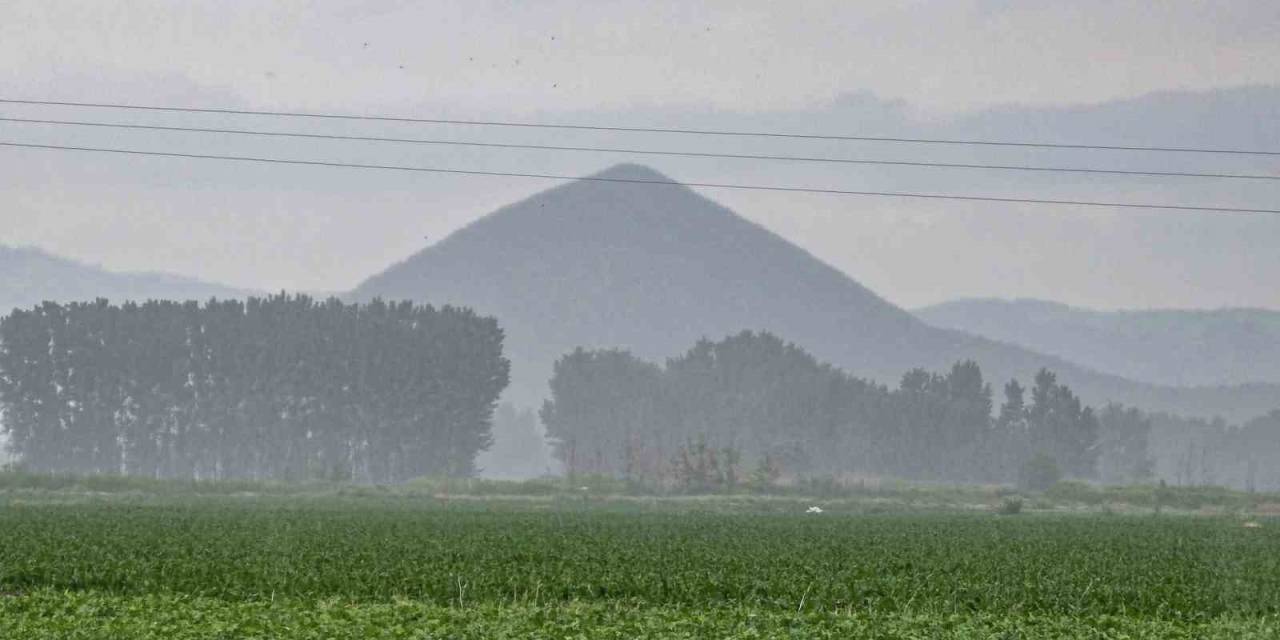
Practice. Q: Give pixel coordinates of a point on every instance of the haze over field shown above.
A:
(654, 268)
(499, 319)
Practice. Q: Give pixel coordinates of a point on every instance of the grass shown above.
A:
(866, 495)
(17, 480)
(77, 616)
(400, 566)
(116, 557)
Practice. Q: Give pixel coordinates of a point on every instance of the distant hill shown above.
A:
(654, 268)
(1173, 347)
(30, 276)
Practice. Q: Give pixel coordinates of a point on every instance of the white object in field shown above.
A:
(814, 509)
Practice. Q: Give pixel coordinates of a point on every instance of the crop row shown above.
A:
(50, 615)
(1170, 568)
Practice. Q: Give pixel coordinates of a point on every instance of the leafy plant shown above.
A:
(1039, 473)
(1010, 506)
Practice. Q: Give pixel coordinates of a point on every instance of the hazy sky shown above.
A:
(843, 67)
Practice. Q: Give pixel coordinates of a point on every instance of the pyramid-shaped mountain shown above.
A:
(653, 268)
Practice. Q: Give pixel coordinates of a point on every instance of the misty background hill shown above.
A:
(204, 219)
(29, 276)
(1171, 347)
(654, 268)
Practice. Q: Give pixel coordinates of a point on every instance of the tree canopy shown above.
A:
(276, 387)
(757, 396)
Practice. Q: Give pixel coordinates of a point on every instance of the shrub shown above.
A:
(1039, 473)
(1077, 492)
(1010, 506)
(765, 475)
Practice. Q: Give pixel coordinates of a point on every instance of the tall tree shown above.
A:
(1062, 427)
(1123, 445)
(277, 387)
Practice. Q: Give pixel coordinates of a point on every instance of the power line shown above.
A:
(583, 127)
(669, 183)
(684, 154)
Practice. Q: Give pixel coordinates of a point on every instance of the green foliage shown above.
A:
(1059, 424)
(1124, 444)
(764, 475)
(1039, 473)
(50, 615)
(1011, 506)
(21, 480)
(698, 468)
(1075, 492)
(283, 387)
(604, 416)
(754, 394)
(770, 493)
(1203, 452)
(758, 396)
(406, 568)
(446, 486)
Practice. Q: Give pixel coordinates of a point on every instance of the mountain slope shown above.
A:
(654, 268)
(1175, 347)
(30, 276)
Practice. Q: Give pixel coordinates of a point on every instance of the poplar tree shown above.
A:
(282, 387)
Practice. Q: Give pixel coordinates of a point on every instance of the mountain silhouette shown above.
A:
(1162, 346)
(606, 262)
(30, 276)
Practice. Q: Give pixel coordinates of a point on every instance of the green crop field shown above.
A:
(271, 567)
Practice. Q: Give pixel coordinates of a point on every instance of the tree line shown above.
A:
(1195, 451)
(756, 400)
(281, 387)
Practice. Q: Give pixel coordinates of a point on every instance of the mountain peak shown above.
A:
(647, 267)
(631, 171)
(653, 268)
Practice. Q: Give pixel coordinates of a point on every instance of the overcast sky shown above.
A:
(886, 67)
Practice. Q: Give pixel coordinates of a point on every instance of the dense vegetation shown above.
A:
(278, 387)
(48, 615)
(1192, 451)
(303, 567)
(754, 400)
